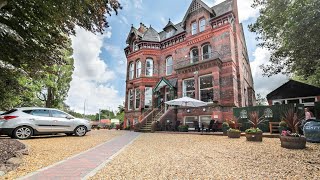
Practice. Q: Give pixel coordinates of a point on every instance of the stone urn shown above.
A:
(254, 136)
(291, 142)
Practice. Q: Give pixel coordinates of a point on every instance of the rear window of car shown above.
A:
(41, 112)
(9, 112)
(27, 111)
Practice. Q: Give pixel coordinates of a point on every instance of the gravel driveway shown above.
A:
(173, 156)
(45, 151)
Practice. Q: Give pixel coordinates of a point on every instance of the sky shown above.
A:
(100, 63)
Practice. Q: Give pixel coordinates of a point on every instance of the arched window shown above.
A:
(131, 71)
(268, 113)
(169, 65)
(138, 69)
(243, 114)
(194, 55)
(149, 67)
(206, 51)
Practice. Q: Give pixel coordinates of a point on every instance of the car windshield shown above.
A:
(9, 112)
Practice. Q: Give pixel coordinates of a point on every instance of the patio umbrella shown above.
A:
(186, 101)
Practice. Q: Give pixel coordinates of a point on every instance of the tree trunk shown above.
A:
(49, 98)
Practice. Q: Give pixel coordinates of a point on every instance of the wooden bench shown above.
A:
(274, 127)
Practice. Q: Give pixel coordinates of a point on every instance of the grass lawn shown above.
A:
(180, 156)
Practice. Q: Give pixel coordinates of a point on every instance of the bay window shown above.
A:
(169, 65)
(131, 71)
(138, 69)
(130, 99)
(188, 88)
(206, 88)
(149, 67)
(137, 98)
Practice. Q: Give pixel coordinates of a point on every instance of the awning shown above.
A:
(165, 82)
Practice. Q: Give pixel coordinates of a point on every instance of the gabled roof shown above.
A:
(179, 30)
(293, 89)
(170, 24)
(197, 4)
(223, 7)
(165, 82)
(135, 32)
(151, 35)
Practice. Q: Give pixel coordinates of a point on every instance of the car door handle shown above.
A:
(32, 119)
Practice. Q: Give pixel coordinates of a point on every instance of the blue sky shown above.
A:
(100, 63)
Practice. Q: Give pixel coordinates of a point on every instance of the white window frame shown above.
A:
(151, 68)
(138, 69)
(168, 65)
(205, 88)
(135, 47)
(131, 70)
(196, 118)
(204, 116)
(191, 55)
(184, 88)
(202, 27)
(300, 100)
(130, 90)
(209, 51)
(194, 30)
(135, 98)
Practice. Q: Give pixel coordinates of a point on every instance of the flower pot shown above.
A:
(291, 142)
(232, 134)
(254, 136)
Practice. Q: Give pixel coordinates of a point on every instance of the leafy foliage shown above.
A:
(293, 119)
(253, 131)
(290, 30)
(261, 101)
(255, 120)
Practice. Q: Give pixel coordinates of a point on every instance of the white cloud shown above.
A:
(91, 75)
(264, 85)
(245, 10)
(118, 55)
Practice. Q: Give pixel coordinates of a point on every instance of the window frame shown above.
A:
(204, 25)
(169, 57)
(145, 97)
(199, 86)
(184, 89)
(192, 58)
(151, 67)
(130, 94)
(135, 98)
(194, 30)
(131, 70)
(209, 54)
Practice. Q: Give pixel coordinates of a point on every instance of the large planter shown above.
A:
(232, 134)
(311, 131)
(254, 136)
(290, 142)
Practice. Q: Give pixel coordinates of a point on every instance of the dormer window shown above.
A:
(169, 33)
(202, 24)
(194, 28)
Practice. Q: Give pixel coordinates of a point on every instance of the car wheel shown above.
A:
(80, 131)
(23, 132)
(69, 134)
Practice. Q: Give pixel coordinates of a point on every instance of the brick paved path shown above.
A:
(84, 164)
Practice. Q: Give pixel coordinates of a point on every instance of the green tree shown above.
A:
(261, 101)
(290, 30)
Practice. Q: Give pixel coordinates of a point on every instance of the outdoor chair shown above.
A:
(196, 126)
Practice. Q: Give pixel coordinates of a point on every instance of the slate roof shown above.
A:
(151, 35)
(223, 7)
(170, 24)
(293, 89)
(179, 30)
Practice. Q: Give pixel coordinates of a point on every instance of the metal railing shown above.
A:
(189, 61)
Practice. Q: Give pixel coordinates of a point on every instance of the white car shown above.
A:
(22, 123)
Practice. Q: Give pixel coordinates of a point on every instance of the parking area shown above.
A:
(47, 150)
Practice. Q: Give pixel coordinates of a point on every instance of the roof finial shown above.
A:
(131, 25)
(169, 20)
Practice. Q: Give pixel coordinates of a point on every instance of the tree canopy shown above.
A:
(290, 30)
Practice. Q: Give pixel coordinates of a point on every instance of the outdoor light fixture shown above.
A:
(204, 109)
(188, 110)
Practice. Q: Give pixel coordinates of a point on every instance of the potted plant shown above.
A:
(292, 139)
(282, 126)
(233, 133)
(254, 133)
(225, 127)
(183, 128)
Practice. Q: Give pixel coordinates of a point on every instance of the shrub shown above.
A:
(283, 124)
(183, 128)
(253, 131)
(255, 120)
(234, 130)
(293, 119)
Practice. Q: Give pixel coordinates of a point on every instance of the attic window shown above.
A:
(202, 24)
(169, 33)
(194, 28)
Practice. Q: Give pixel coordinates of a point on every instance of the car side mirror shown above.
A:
(70, 117)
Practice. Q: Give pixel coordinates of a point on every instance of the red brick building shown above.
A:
(204, 57)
